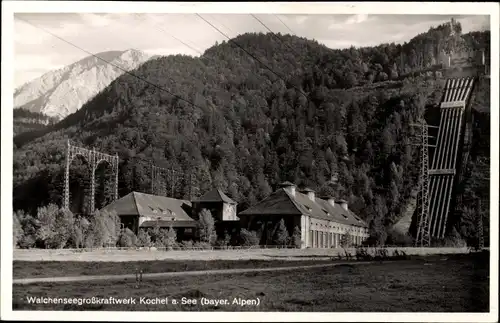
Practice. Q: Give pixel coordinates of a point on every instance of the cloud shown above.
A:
(95, 20)
(301, 19)
(357, 19)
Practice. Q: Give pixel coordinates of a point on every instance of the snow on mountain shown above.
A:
(62, 92)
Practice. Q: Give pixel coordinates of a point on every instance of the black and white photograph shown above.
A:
(268, 161)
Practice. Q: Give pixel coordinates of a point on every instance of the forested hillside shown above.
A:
(27, 121)
(333, 120)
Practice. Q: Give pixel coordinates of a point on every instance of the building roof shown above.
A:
(166, 224)
(215, 195)
(282, 202)
(154, 206)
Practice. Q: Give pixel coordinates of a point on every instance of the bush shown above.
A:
(127, 238)
(26, 242)
(143, 239)
(399, 239)
(381, 254)
(171, 238)
(224, 242)
(186, 244)
(362, 254)
(249, 238)
(202, 245)
(346, 240)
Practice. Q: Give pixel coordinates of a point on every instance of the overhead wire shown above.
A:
(106, 61)
(125, 71)
(285, 24)
(174, 37)
(250, 54)
(274, 34)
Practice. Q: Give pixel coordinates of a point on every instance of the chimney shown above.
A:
(331, 201)
(343, 204)
(310, 193)
(289, 187)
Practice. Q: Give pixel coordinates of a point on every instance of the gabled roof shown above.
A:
(215, 195)
(166, 224)
(282, 202)
(278, 203)
(147, 205)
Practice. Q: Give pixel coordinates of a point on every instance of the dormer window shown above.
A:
(345, 216)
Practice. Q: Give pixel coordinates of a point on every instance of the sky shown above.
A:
(37, 52)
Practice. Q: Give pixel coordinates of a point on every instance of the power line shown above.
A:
(141, 160)
(272, 33)
(284, 24)
(102, 59)
(179, 40)
(222, 24)
(243, 49)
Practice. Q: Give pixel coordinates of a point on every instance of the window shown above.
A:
(345, 216)
(326, 212)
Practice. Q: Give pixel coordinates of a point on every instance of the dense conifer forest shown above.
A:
(337, 121)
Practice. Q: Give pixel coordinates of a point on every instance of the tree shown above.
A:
(78, 234)
(346, 240)
(171, 237)
(105, 227)
(55, 226)
(17, 234)
(297, 237)
(281, 236)
(46, 218)
(143, 239)
(206, 224)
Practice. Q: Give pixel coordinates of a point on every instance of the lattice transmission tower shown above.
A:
(93, 158)
(164, 181)
(423, 237)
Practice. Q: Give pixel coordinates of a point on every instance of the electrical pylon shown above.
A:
(423, 238)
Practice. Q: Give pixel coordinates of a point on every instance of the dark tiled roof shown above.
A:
(283, 203)
(278, 203)
(147, 205)
(167, 224)
(215, 195)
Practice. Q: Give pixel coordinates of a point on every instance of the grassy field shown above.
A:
(106, 255)
(452, 283)
(31, 269)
